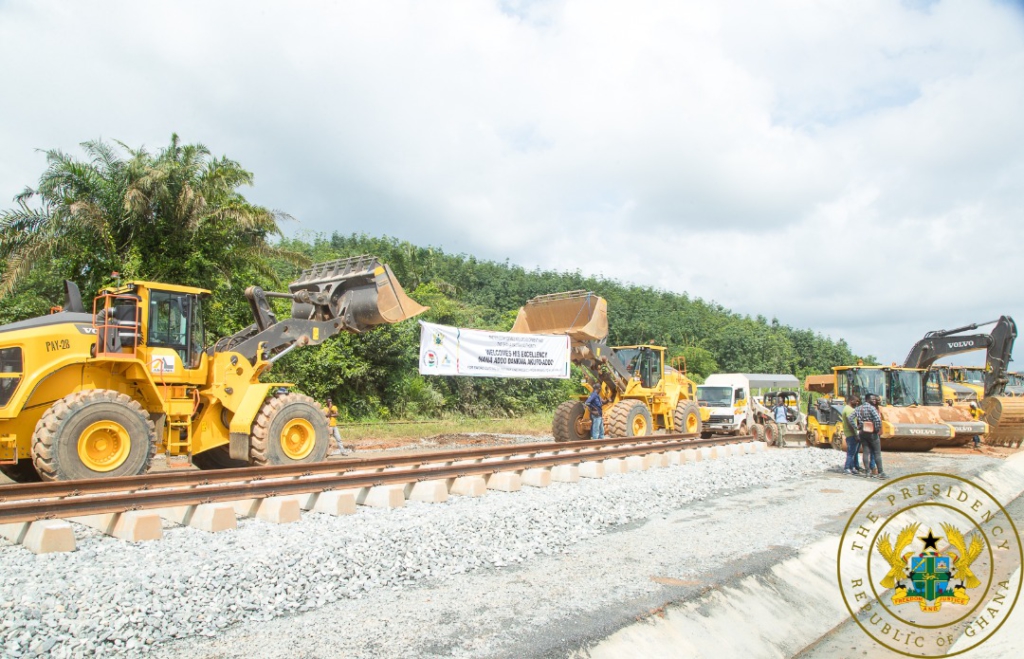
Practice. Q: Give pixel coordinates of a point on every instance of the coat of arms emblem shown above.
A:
(930, 578)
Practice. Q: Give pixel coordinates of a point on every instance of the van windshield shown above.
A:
(715, 396)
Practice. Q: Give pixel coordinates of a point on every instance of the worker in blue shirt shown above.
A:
(595, 405)
(780, 410)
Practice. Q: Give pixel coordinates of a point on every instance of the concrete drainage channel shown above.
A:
(794, 608)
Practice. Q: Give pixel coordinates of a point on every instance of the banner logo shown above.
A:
(928, 565)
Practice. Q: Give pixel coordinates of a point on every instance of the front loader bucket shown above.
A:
(360, 291)
(580, 314)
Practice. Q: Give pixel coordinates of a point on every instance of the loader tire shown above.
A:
(630, 418)
(21, 472)
(569, 424)
(289, 429)
(686, 418)
(96, 433)
(772, 434)
(757, 430)
(839, 441)
(217, 458)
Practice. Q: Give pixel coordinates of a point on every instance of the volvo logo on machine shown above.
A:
(961, 344)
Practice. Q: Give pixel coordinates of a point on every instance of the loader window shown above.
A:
(861, 381)
(905, 388)
(197, 337)
(168, 322)
(10, 373)
(933, 388)
(650, 368)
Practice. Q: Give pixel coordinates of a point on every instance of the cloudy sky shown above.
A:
(852, 167)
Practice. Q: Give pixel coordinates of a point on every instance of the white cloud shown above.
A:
(851, 167)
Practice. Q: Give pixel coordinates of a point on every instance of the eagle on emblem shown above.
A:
(967, 555)
(894, 556)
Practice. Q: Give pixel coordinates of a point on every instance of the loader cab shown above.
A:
(160, 324)
(643, 362)
(895, 386)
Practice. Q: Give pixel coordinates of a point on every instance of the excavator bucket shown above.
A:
(361, 291)
(1005, 417)
(580, 314)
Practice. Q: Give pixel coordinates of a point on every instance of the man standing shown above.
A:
(870, 426)
(779, 411)
(976, 414)
(852, 440)
(595, 405)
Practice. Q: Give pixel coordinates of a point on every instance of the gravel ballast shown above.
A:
(114, 597)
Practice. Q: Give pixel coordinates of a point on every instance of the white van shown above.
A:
(728, 397)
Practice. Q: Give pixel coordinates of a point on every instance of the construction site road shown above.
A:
(611, 586)
(597, 568)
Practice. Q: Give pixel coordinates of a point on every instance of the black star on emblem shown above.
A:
(930, 541)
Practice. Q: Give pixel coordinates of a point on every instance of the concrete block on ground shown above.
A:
(747, 447)
(759, 446)
(467, 486)
(537, 477)
(738, 449)
(382, 496)
(134, 525)
(277, 510)
(339, 502)
(614, 466)
(565, 473)
(707, 453)
(692, 455)
(210, 517)
(505, 481)
(427, 491)
(592, 469)
(42, 537)
(655, 460)
(635, 463)
(674, 457)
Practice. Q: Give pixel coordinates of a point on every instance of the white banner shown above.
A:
(453, 351)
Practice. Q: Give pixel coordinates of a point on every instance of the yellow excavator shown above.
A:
(92, 394)
(1003, 414)
(643, 393)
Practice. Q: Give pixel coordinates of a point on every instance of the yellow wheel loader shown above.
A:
(643, 393)
(96, 394)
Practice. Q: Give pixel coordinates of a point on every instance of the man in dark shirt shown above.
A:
(595, 404)
(871, 426)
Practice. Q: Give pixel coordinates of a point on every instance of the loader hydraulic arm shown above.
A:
(944, 343)
(350, 295)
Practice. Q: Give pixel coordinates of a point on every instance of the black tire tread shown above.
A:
(683, 409)
(618, 418)
(259, 440)
(563, 426)
(44, 438)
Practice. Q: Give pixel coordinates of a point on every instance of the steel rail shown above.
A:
(27, 511)
(193, 478)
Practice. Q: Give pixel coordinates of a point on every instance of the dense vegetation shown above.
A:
(178, 216)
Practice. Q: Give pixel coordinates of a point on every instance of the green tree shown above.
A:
(174, 216)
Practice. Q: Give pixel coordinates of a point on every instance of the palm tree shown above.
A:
(175, 216)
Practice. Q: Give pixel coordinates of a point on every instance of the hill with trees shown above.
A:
(177, 216)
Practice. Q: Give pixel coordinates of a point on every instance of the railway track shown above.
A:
(40, 501)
